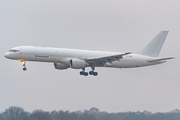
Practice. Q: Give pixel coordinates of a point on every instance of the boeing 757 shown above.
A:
(80, 59)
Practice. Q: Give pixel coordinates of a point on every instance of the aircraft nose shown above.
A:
(6, 55)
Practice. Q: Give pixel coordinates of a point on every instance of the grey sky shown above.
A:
(115, 25)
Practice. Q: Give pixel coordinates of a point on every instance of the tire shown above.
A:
(85, 74)
(82, 73)
(95, 73)
(24, 69)
(91, 72)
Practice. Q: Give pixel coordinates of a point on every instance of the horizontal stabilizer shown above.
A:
(159, 59)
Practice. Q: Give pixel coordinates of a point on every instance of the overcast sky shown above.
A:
(106, 25)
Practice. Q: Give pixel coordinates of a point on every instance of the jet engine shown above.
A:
(77, 63)
(60, 66)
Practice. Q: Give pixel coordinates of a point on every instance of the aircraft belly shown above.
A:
(128, 62)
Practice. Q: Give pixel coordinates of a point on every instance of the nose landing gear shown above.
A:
(24, 68)
(24, 64)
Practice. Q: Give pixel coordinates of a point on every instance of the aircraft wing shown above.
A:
(100, 61)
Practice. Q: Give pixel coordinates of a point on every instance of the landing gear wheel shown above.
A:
(24, 69)
(82, 73)
(95, 73)
(91, 72)
(85, 74)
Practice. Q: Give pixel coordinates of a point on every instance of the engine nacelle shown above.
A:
(60, 66)
(77, 63)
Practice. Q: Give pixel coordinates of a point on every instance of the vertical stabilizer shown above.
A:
(153, 48)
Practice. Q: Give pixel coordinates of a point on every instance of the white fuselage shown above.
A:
(62, 55)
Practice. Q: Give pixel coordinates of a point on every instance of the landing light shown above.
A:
(23, 62)
(128, 52)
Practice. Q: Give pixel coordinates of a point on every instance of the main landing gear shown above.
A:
(90, 72)
(93, 73)
(24, 64)
(84, 73)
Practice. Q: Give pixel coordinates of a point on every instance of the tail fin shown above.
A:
(153, 48)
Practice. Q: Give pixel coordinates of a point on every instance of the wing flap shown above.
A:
(104, 60)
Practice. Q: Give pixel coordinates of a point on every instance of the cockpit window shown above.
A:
(13, 50)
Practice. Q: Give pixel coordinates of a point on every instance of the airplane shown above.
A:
(64, 58)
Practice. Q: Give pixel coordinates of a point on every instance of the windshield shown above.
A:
(13, 50)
